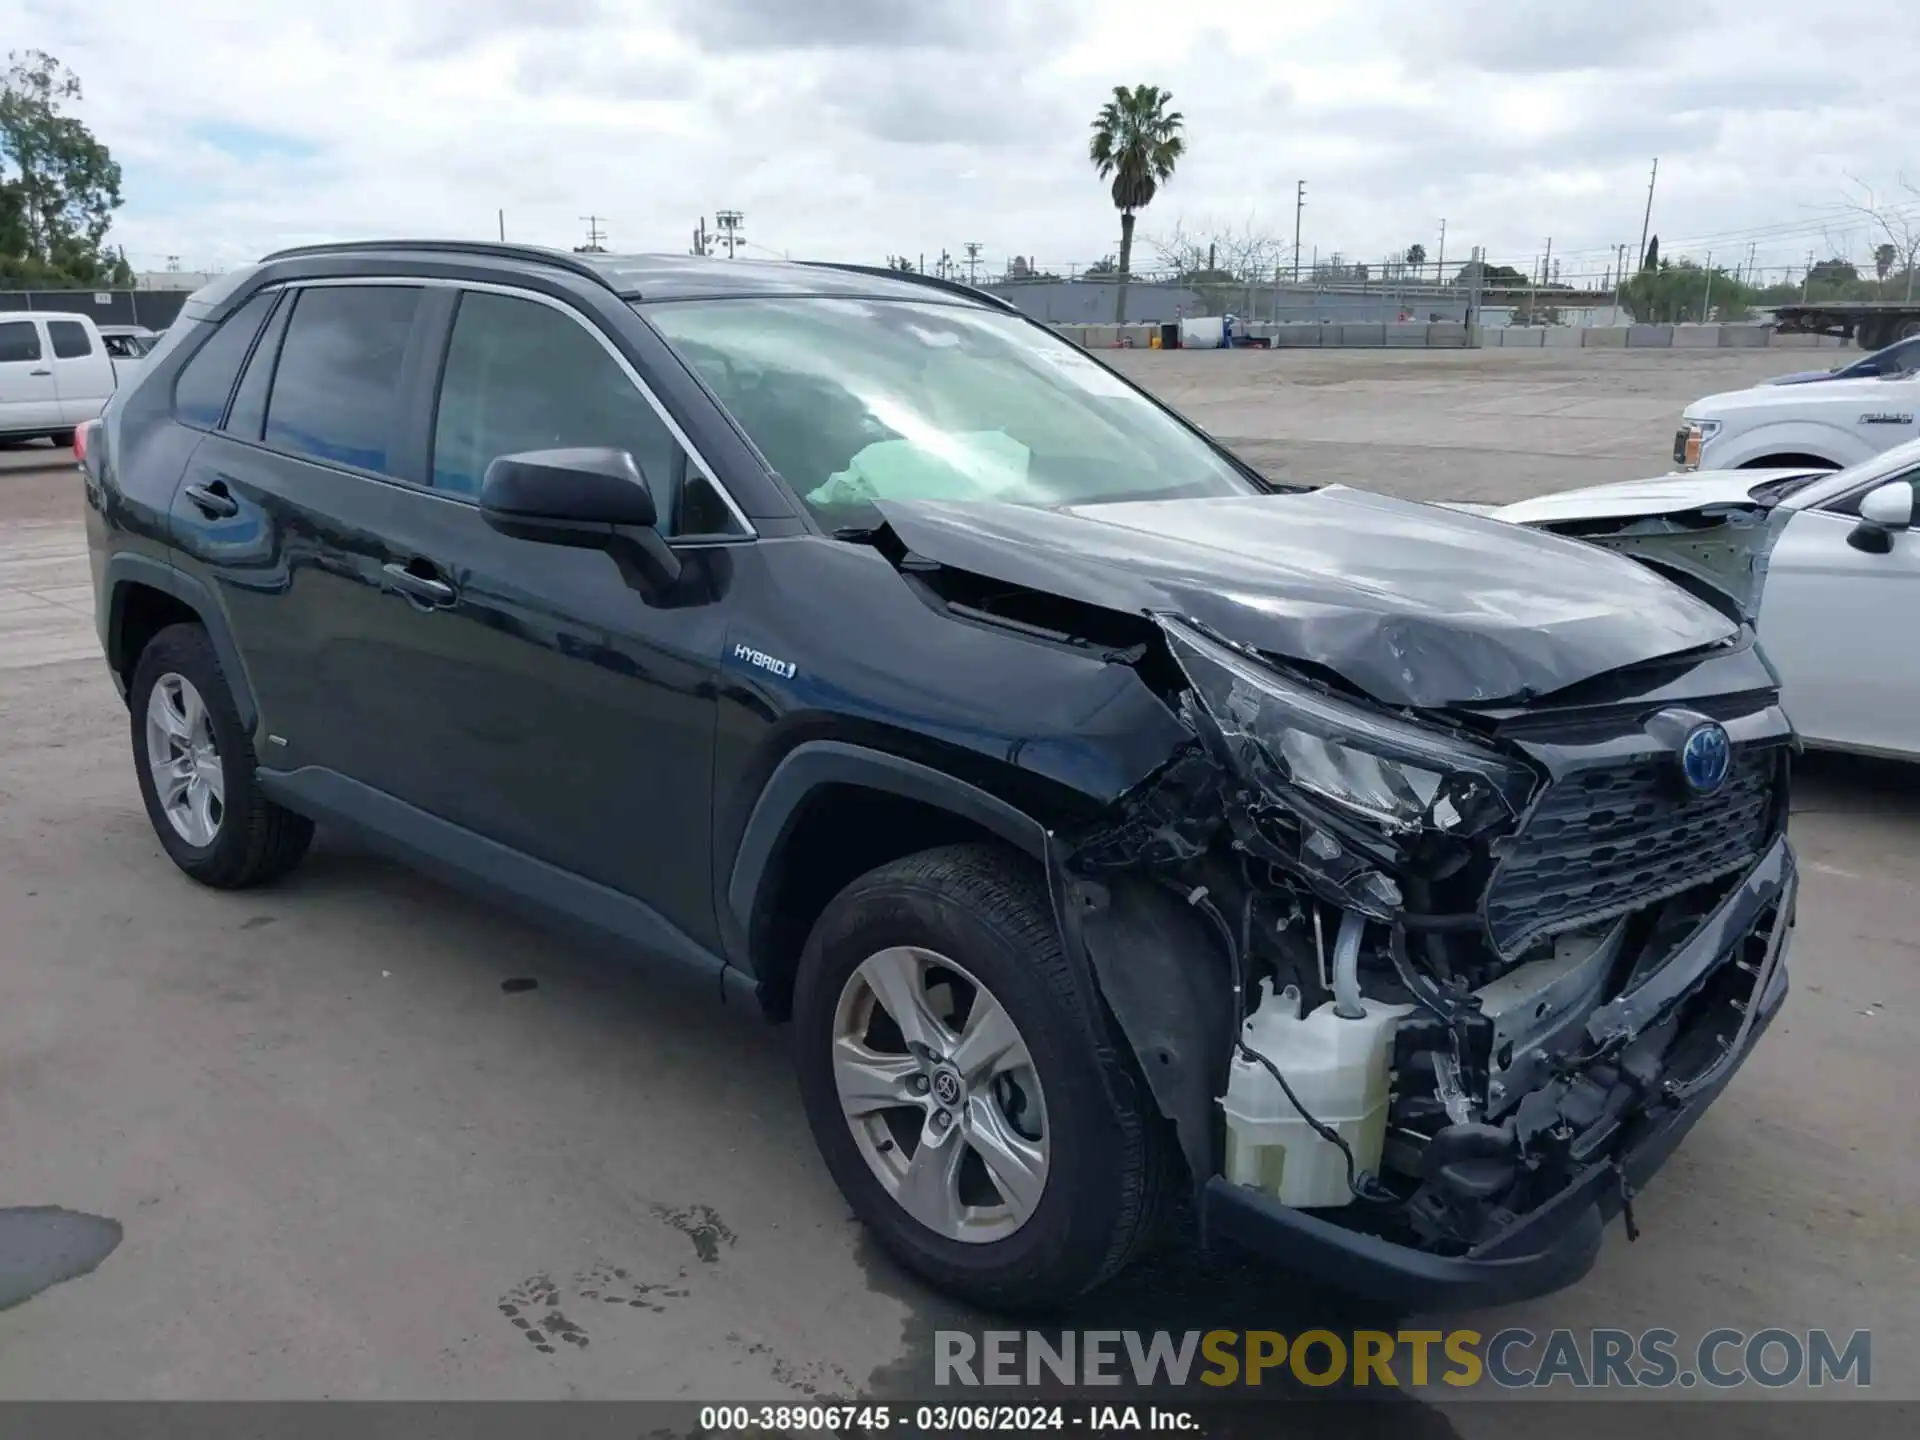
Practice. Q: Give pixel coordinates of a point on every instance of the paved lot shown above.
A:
(337, 1150)
(1451, 425)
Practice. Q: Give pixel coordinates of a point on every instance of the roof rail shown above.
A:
(559, 259)
(915, 277)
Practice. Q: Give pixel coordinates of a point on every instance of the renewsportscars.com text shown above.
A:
(1513, 1358)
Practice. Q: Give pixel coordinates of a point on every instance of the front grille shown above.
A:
(1606, 841)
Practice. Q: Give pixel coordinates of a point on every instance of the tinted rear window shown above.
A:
(69, 339)
(249, 409)
(200, 394)
(336, 390)
(19, 340)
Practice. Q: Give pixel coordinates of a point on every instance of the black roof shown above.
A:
(684, 277)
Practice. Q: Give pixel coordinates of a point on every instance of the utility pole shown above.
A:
(1299, 204)
(503, 227)
(1546, 265)
(701, 240)
(973, 260)
(1647, 219)
(729, 223)
(594, 235)
(1706, 300)
(1440, 265)
(1806, 280)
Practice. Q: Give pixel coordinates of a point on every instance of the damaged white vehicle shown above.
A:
(1834, 577)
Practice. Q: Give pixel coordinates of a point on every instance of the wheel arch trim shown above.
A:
(125, 570)
(816, 763)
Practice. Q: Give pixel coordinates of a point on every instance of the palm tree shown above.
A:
(1137, 141)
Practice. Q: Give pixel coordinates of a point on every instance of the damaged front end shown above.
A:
(1426, 995)
(1718, 551)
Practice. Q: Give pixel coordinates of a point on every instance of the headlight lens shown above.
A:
(1698, 433)
(1389, 774)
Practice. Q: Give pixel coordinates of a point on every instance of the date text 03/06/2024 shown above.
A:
(966, 1419)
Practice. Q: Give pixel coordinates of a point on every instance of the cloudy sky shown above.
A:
(853, 128)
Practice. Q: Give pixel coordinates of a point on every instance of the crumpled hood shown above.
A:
(1661, 495)
(1413, 604)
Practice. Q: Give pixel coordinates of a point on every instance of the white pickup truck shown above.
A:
(55, 374)
(1832, 424)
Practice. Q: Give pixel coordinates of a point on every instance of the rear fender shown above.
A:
(126, 569)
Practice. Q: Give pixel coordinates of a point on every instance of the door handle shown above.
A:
(420, 587)
(39, 372)
(213, 500)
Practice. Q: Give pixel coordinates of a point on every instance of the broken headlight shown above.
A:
(1390, 774)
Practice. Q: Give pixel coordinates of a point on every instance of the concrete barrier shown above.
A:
(1450, 334)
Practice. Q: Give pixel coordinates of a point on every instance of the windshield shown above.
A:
(857, 400)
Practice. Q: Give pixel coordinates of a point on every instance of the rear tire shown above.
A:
(212, 818)
(1108, 1162)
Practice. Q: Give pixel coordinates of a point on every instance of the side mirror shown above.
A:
(589, 499)
(1883, 510)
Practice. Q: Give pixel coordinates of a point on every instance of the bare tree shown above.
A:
(1896, 221)
(1247, 252)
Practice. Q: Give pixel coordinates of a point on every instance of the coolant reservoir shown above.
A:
(1339, 1070)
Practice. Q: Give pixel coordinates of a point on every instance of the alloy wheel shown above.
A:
(183, 759)
(941, 1094)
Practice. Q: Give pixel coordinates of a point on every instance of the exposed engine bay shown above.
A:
(1462, 958)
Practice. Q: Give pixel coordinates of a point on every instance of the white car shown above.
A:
(1826, 562)
(1836, 422)
(127, 346)
(55, 374)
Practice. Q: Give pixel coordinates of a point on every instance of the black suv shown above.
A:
(1115, 825)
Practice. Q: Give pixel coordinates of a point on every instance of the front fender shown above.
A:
(1826, 441)
(816, 763)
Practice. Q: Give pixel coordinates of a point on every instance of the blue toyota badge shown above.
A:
(1705, 757)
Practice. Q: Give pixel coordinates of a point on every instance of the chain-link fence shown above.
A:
(154, 309)
(1536, 290)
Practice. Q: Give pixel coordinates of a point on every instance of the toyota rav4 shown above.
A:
(1113, 823)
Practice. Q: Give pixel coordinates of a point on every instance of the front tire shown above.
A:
(195, 764)
(955, 1091)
